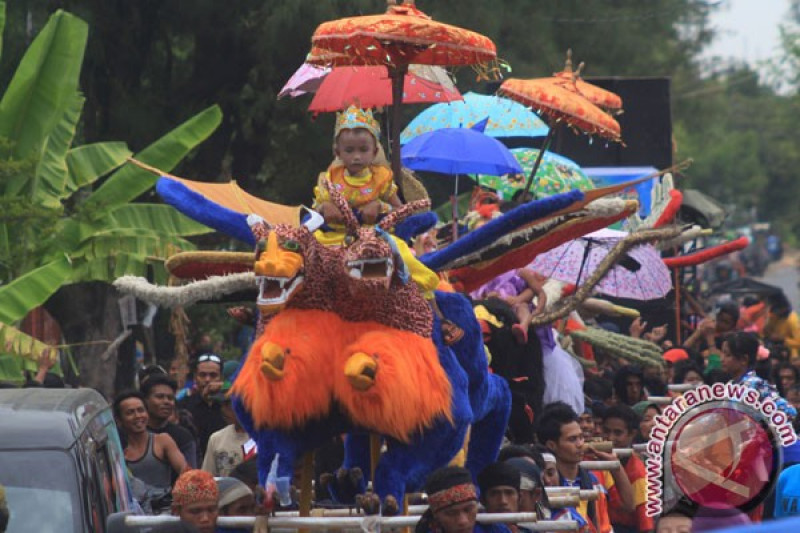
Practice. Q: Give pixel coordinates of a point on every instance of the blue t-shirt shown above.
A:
(787, 493)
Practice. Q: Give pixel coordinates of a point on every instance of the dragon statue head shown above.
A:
(280, 260)
(370, 256)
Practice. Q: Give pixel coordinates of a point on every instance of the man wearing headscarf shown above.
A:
(453, 504)
(531, 492)
(195, 497)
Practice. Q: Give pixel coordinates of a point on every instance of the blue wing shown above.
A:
(500, 227)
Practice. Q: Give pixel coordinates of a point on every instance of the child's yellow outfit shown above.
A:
(373, 183)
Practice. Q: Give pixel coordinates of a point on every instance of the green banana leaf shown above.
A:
(155, 217)
(2, 24)
(130, 181)
(52, 172)
(90, 162)
(157, 246)
(69, 234)
(107, 268)
(44, 84)
(79, 238)
(21, 352)
(32, 289)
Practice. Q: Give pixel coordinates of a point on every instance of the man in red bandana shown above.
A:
(453, 504)
(194, 500)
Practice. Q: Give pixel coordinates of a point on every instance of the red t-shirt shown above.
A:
(637, 474)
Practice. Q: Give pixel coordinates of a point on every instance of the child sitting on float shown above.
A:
(360, 171)
(362, 175)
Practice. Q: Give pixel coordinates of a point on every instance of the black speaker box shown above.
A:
(646, 125)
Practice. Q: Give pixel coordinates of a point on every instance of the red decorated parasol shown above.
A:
(371, 86)
(571, 80)
(561, 105)
(549, 97)
(401, 36)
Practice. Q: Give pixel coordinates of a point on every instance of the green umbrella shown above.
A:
(555, 175)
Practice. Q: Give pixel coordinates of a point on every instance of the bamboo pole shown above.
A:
(529, 519)
(600, 465)
(660, 400)
(397, 75)
(681, 387)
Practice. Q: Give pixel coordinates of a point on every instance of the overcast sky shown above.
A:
(747, 29)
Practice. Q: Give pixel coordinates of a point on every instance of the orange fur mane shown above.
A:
(411, 389)
(304, 393)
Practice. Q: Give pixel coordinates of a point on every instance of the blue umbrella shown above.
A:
(506, 118)
(459, 151)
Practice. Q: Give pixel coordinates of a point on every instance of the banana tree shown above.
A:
(67, 213)
(20, 352)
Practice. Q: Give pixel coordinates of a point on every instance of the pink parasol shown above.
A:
(306, 79)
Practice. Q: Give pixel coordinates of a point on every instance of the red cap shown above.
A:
(674, 355)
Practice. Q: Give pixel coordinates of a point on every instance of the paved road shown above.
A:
(786, 275)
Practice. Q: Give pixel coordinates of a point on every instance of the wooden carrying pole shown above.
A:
(398, 76)
(306, 486)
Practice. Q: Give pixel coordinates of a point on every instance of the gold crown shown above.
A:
(353, 118)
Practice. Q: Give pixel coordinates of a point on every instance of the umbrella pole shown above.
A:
(584, 260)
(545, 145)
(454, 202)
(677, 284)
(397, 74)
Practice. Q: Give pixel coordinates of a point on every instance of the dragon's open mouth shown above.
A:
(277, 290)
(370, 269)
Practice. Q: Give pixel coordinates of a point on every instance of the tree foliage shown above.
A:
(66, 211)
(151, 62)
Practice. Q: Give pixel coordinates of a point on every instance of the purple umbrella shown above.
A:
(639, 275)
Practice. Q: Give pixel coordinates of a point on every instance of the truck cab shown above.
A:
(61, 461)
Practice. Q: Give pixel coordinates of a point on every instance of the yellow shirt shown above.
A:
(787, 330)
(375, 183)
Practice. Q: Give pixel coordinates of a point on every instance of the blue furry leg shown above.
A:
(487, 432)
(405, 467)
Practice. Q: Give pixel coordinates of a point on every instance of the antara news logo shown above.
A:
(717, 444)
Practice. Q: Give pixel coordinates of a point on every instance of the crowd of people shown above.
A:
(189, 456)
